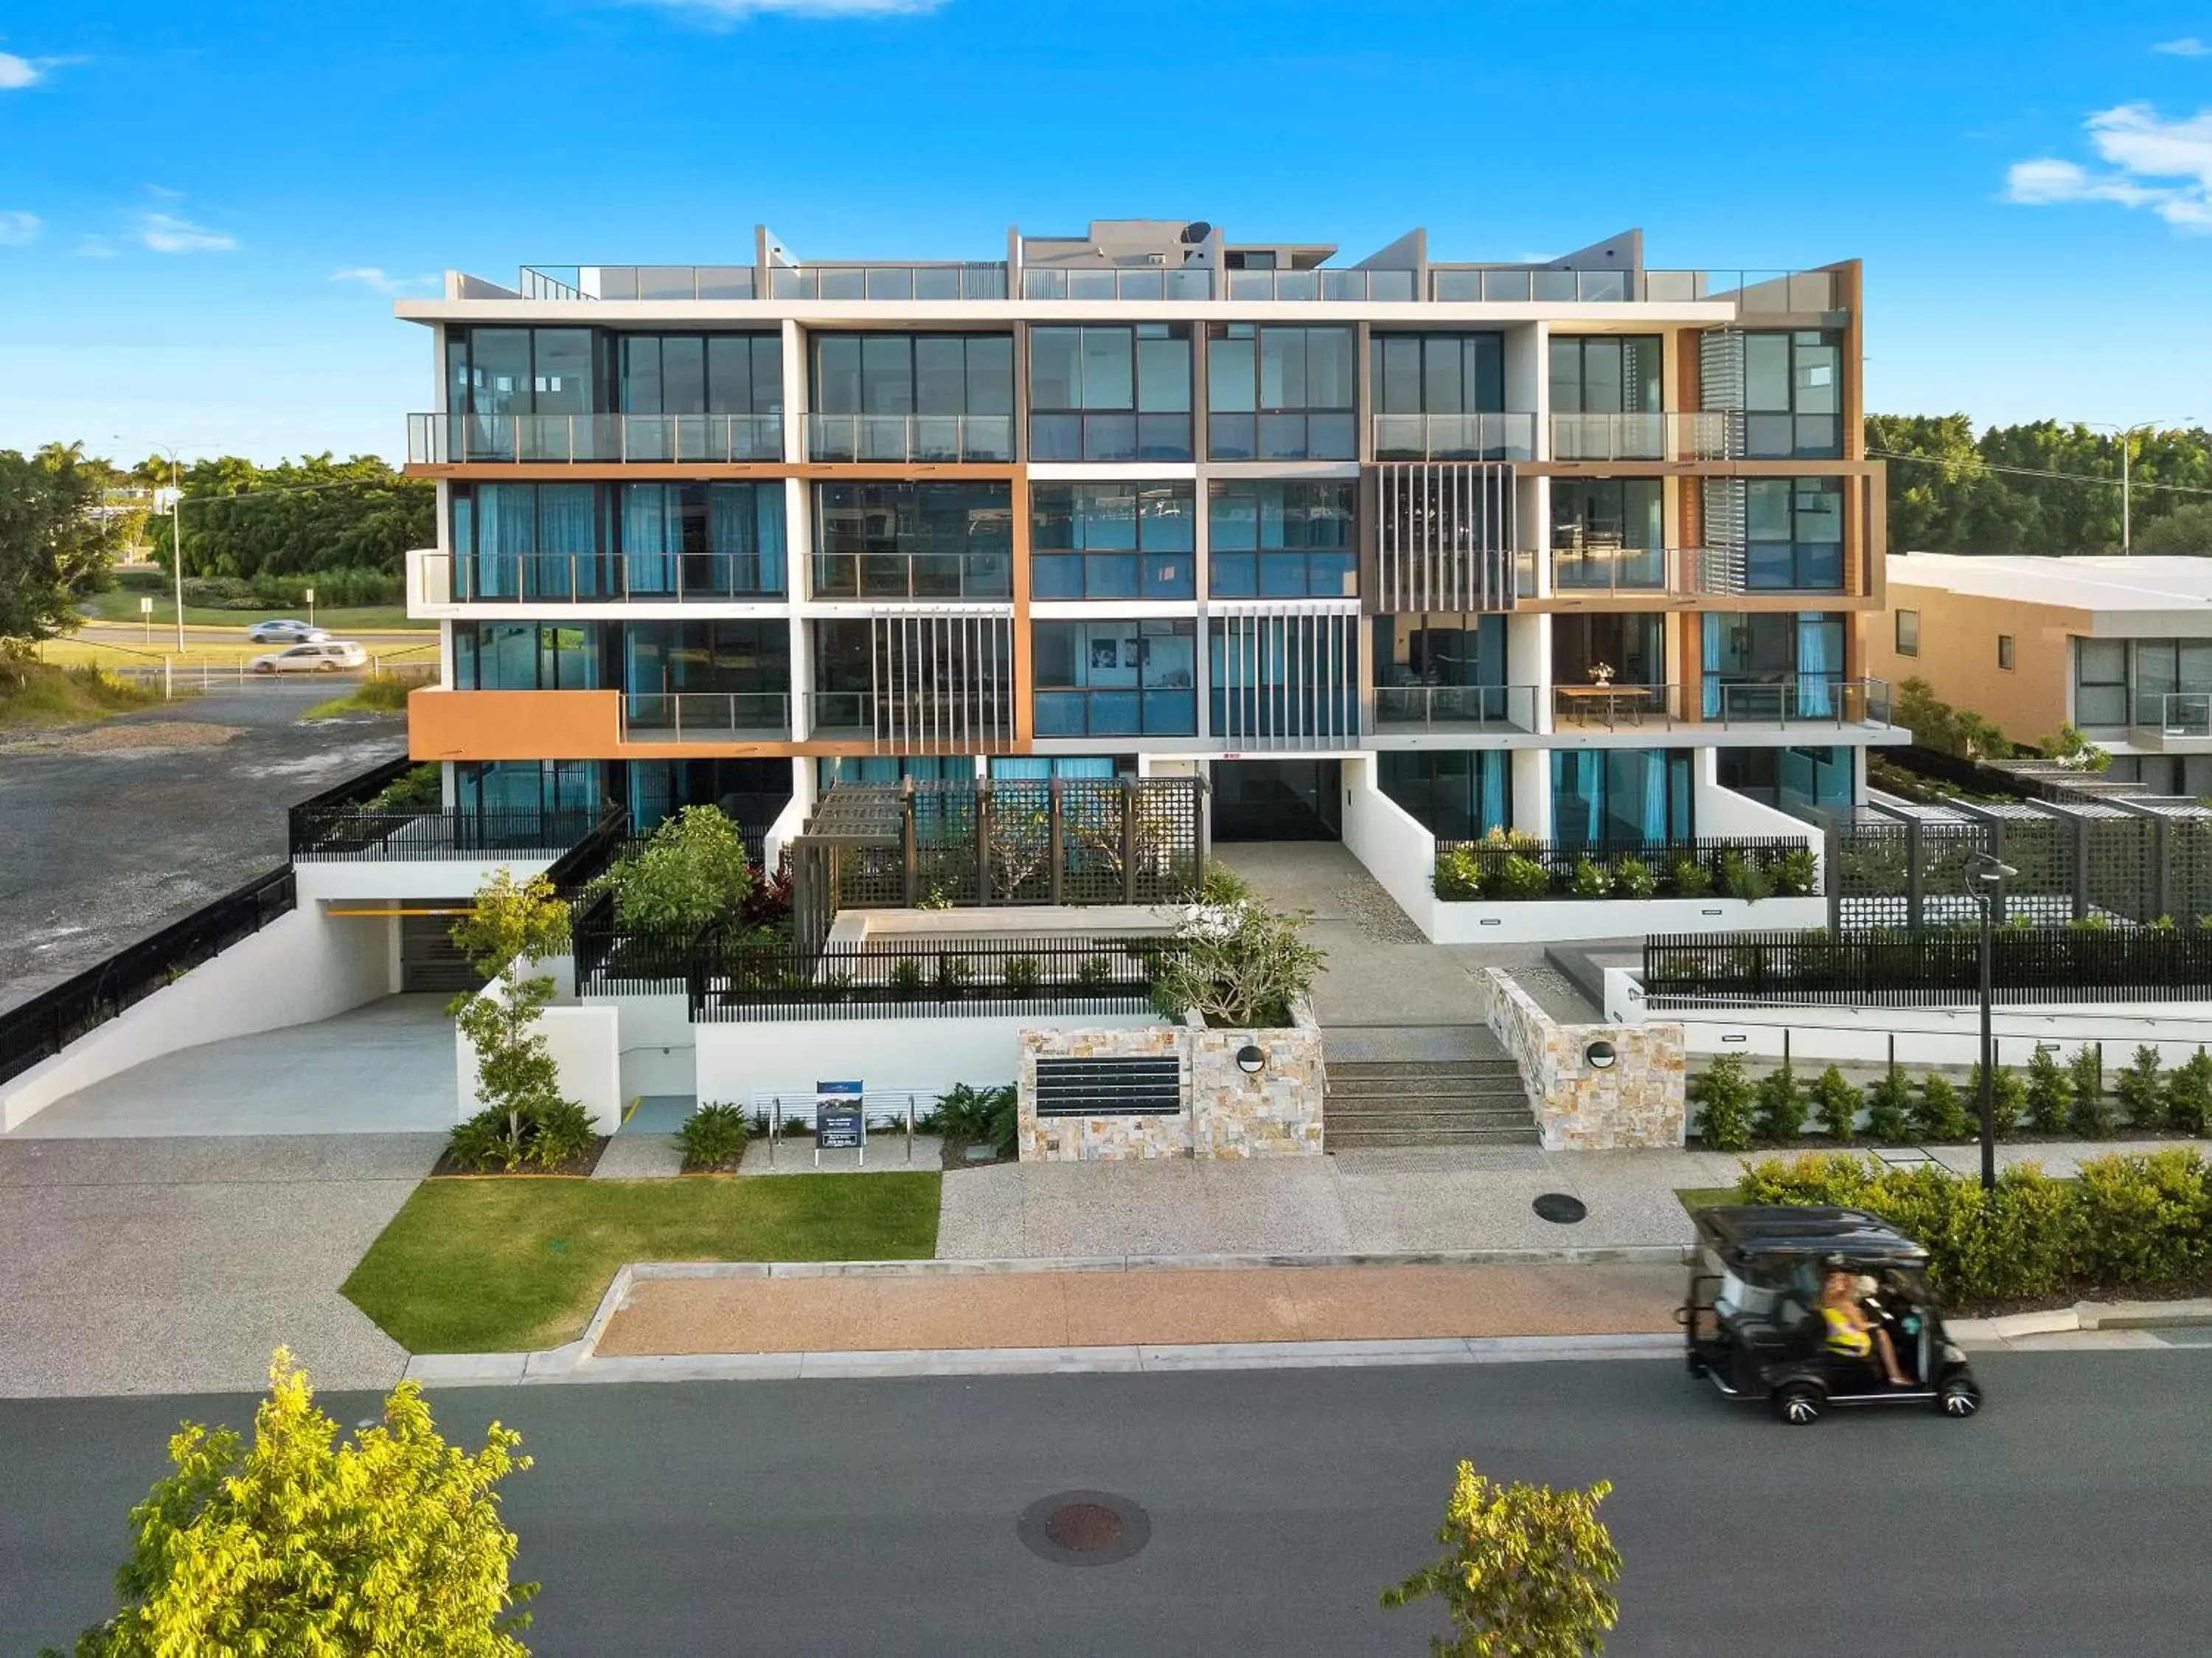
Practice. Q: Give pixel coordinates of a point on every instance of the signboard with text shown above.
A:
(840, 1122)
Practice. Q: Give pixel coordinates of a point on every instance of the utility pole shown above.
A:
(176, 547)
(2127, 465)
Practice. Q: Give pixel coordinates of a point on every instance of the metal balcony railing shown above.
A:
(906, 439)
(926, 721)
(1702, 436)
(485, 578)
(917, 281)
(446, 439)
(1495, 435)
(707, 715)
(1455, 707)
(1107, 284)
(1800, 700)
(638, 282)
(2175, 713)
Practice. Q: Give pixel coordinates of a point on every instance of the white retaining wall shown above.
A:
(655, 1037)
(584, 1041)
(301, 967)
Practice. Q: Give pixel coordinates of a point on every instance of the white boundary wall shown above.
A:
(584, 1040)
(301, 967)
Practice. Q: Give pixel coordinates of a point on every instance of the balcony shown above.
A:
(706, 717)
(638, 282)
(1108, 284)
(923, 721)
(1353, 286)
(1494, 435)
(606, 578)
(1790, 702)
(931, 280)
(917, 575)
(456, 439)
(905, 440)
(1401, 709)
(1708, 436)
(2172, 720)
(1588, 571)
(1164, 711)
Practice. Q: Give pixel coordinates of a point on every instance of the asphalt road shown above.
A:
(875, 1518)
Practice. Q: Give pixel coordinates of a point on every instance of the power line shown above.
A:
(1978, 463)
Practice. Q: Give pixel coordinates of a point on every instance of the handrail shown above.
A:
(707, 715)
(1457, 707)
(906, 439)
(1491, 435)
(447, 439)
(590, 578)
(1108, 282)
(1696, 435)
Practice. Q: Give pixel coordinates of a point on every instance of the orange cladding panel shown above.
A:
(513, 725)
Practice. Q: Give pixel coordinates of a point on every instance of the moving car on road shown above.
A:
(1809, 1307)
(285, 632)
(327, 657)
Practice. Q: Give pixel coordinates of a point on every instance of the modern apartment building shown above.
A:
(1580, 548)
(2121, 647)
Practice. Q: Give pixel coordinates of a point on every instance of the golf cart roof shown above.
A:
(1797, 1230)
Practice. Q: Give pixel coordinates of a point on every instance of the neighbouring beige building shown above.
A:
(2120, 646)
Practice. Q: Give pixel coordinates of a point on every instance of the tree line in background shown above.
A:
(2022, 489)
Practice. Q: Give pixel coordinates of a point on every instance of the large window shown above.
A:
(722, 676)
(1100, 392)
(913, 541)
(1112, 540)
(2173, 681)
(1438, 397)
(1820, 779)
(1117, 679)
(1443, 669)
(2101, 682)
(1606, 374)
(1771, 665)
(1620, 796)
(913, 397)
(1291, 540)
(514, 796)
(521, 371)
(1794, 534)
(1279, 393)
(1608, 533)
(525, 656)
(1793, 393)
(1632, 643)
(703, 540)
(1457, 794)
(701, 373)
(528, 541)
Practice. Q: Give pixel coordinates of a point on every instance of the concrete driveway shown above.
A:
(383, 1069)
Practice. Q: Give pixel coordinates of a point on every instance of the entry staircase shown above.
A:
(1404, 1085)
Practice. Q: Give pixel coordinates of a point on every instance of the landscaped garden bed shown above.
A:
(1506, 865)
(577, 1167)
(476, 1266)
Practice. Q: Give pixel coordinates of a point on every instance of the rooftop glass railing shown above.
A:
(887, 282)
(1078, 283)
(1347, 285)
(638, 282)
(450, 439)
(1774, 292)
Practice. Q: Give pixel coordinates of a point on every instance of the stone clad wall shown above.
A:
(1226, 1113)
(1638, 1102)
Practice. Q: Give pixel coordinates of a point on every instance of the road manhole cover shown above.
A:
(1084, 1528)
(1559, 1207)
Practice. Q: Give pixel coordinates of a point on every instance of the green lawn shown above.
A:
(376, 693)
(1695, 1197)
(493, 1265)
(117, 604)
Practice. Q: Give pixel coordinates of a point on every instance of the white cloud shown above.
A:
(17, 227)
(16, 73)
(369, 276)
(2151, 162)
(167, 233)
(733, 10)
(2188, 47)
(95, 247)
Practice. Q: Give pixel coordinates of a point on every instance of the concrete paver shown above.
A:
(158, 1265)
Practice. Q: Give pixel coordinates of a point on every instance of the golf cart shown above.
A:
(1754, 1324)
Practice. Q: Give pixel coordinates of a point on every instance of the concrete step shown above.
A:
(1412, 1044)
(1430, 1100)
(1499, 1116)
(1364, 1139)
(1488, 1074)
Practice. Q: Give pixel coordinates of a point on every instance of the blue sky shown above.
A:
(180, 186)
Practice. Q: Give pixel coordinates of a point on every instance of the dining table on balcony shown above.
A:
(1608, 702)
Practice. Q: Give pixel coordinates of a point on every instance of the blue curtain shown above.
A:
(1577, 797)
(1654, 796)
(507, 533)
(566, 543)
(1815, 695)
(729, 537)
(1015, 768)
(1492, 799)
(645, 538)
(1712, 662)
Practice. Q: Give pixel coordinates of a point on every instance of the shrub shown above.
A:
(712, 1137)
(2093, 1117)
(1836, 1102)
(1798, 874)
(1591, 879)
(1781, 1110)
(1889, 1107)
(692, 872)
(953, 971)
(1459, 874)
(1517, 877)
(2139, 1090)
(906, 976)
(1692, 879)
(2008, 1098)
(2189, 1095)
(1021, 974)
(1632, 878)
(1094, 972)
(1237, 964)
(1742, 878)
(1724, 1105)
(2049, 1094)
(988, 1116)
(2145, 1219)
(1940, 1114)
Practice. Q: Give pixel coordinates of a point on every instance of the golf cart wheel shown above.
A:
(1697, 1365)
(1799, 1404)
(1958, 1398)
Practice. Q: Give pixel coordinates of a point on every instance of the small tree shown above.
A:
(1781, 1113)
(1724, 1105)
(2189, 1095)
(1939, 1114)
(1524, 1572)
(2093, 1117)
(693, 871)
(1237, 964)
(1889, 1106)
(2049, 1094)
(2139, 1089)
(526, 1118)
(297, 1543)
(511, 921)
(1836, 1104)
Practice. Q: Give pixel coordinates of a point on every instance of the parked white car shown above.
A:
(327, 657)
(285, 632)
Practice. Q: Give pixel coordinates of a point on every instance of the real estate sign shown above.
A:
(840, 1122)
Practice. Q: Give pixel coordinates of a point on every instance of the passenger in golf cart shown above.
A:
(1809, 1307)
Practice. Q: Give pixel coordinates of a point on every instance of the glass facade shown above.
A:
(1793, 394)
(1436, 373)
(1108, 392)
(1794, 534)
(701, 373)
(1608, 533)
(1808, 780)
(1445, 667)
(1113, 540)
(617, 540)
(1606, 374)
(2101, 682)
(703, 538)
(1633, 645)
(525, 656)
(1620, 796)
(518, 791)
(1456, 793)
(522, 371)
(1279, 393)
(899, 540)
(912, 397)
(2173, 680)
(726, 655)
(1772, 664)
(1109, 679)
(529, 541)
(1293, 540)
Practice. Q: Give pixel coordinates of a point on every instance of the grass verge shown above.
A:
(68, 696)
(117, 605)
(377, 693)
(1695, 1197)
(490, 1267)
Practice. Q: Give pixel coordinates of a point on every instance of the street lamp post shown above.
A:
(1986, 875)
(176, 533)
(2127, 456)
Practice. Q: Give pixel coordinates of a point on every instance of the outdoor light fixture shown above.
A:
(1986, 873)
(1251, 1060)
(1600, 1056)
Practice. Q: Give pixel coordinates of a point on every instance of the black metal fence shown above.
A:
(1897, 969)
(942, 978)
(1776, 866)
(50, 1021)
